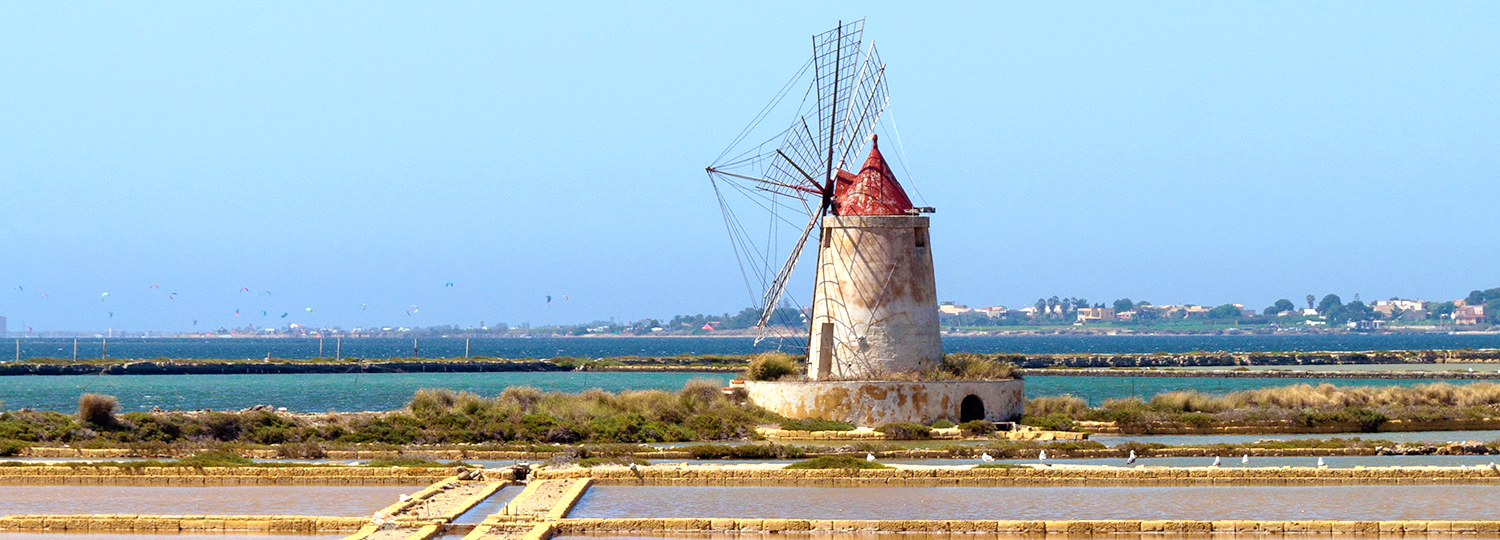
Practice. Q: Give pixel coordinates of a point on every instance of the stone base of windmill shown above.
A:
(876, 403)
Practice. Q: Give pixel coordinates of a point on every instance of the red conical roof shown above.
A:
(874, 192)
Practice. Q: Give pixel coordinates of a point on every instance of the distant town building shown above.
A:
(1469, 315)
(1245, 312)
(994, 311)
(952, 308)
(1126, 315)
(1096, 314)
(1029, 311)
(1408, 310)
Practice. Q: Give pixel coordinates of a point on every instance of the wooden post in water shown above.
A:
(466, 348)
(320, 346)
(104, 349)
(75, 349)
(413, 347)
(338, 349)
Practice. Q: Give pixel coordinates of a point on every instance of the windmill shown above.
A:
(874, 308)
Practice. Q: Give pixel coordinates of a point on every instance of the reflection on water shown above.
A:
(252, 500)
(1362, 502)
(489, 505)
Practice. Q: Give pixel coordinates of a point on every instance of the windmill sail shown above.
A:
(786, 184)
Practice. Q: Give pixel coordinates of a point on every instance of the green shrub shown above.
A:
(1051, 422)
(816, 424)
(943, 423)
(836, 462)
(905, 431)
(978, 427)
(1197, 419)
(10, 448)
(771, 366)
(98, 409)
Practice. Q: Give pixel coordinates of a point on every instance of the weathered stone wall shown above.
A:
(1062, 528)
(220, 476)
(1029, 476)
(875, 403)
(875, 291)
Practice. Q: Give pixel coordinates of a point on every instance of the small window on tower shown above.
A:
(826, 240)
(921, 234)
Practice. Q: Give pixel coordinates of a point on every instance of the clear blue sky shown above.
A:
(340, 154)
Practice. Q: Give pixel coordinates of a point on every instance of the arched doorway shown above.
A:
(972, 408)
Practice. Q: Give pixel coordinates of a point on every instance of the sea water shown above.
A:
(304, 348)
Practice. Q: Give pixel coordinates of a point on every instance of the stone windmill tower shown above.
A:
(874, 309)
(872, 328)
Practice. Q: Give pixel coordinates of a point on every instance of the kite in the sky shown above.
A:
(20, 288)
(195, 322)
(236, 313)
(565, 298)
(309, 310)
(244, 289)
(44, 295)
(111, 314)
(361, 307)
(171, 296)
(263, 313)
(283, 315)
(449, 284)
(411, 310)
(549, 299)
(154, 286)
(101, 297)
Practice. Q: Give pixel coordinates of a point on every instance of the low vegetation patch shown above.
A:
(1365, 408)
(700, 411)
(816, 424)
(772, 366)
(905, 431)
(837, 462)
(745, 451)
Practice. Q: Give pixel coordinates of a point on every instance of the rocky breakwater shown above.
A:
(170, 367)
(1209, 359)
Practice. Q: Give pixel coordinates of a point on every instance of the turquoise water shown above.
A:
(301, 348)
(386, 391)
(305, 392)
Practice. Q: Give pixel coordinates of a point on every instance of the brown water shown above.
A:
(1439, 502)
(253, 500)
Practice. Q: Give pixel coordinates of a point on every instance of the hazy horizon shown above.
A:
(355, 159)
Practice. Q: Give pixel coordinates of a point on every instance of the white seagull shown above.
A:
(1216, 461)
(1130, 460)
(1042, 456)
(985, 457)
(1320, 462)
(870, 457)
(1245, 460)
(404, 497)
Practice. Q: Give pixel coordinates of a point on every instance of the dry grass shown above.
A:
(772, 366)
(1065, 404)
(98, 409)
(1304, 396)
